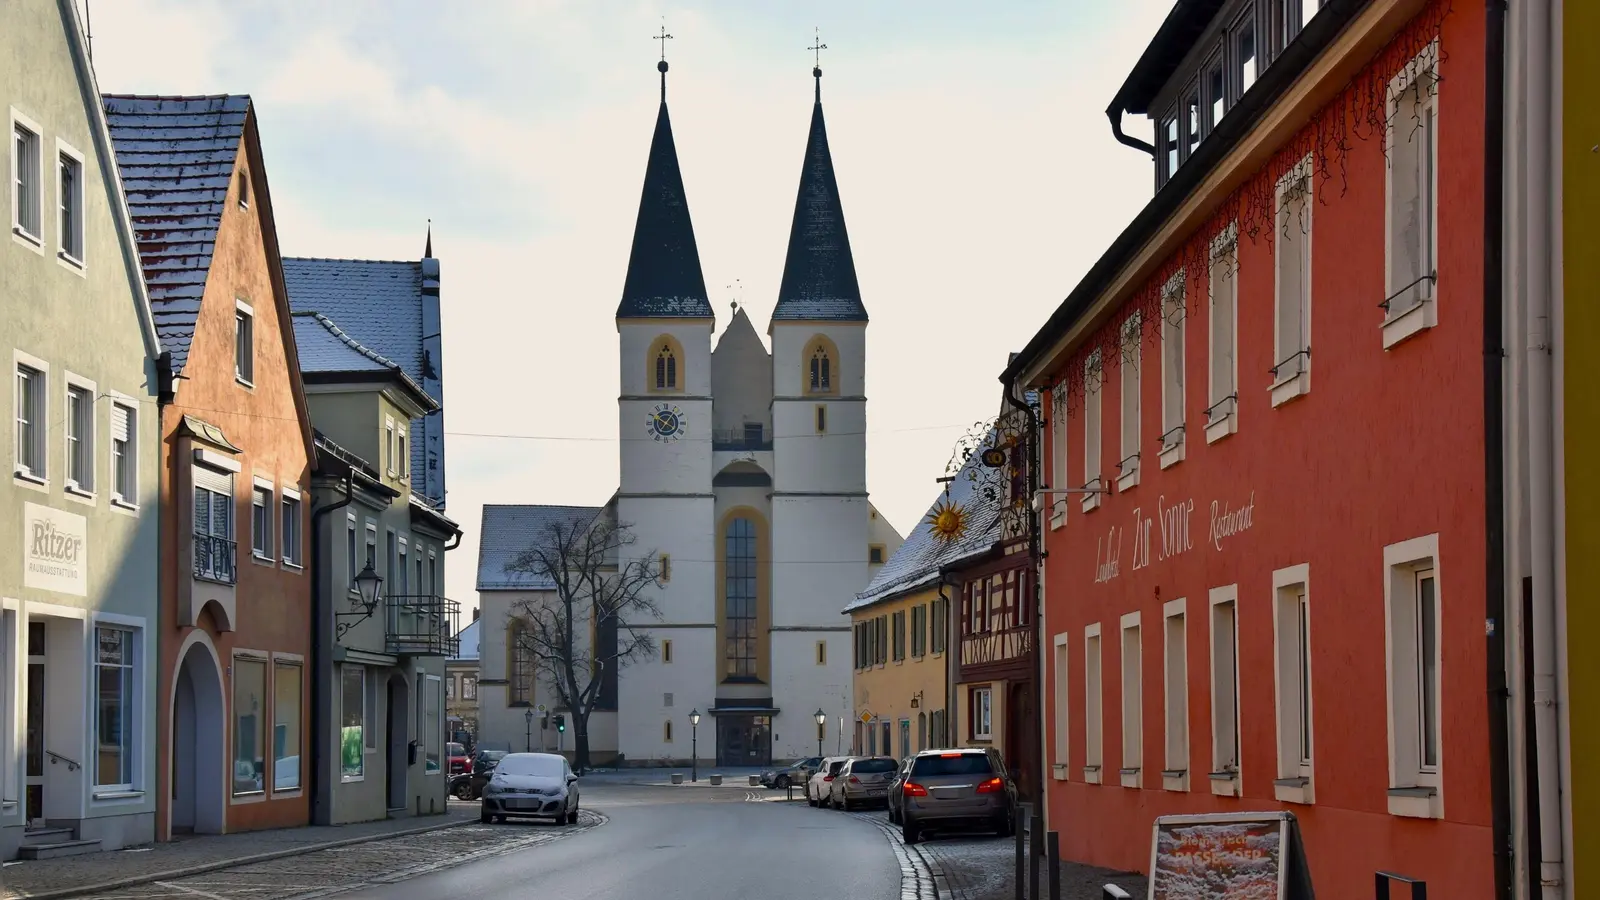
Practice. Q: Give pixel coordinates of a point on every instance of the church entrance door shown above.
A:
(744, 740)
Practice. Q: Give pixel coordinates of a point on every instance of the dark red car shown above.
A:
(459, 762)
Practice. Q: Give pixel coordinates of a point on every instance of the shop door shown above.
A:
(35, 714)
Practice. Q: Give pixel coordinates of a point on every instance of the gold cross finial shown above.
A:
(818, 47)
(663, 37)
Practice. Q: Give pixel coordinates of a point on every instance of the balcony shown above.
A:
(988, 651)
(752, 437)
(214, 559)
(421, 625)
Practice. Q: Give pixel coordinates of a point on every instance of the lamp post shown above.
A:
(694, 744)
(527, 744)
(822, 722)
(367, 584)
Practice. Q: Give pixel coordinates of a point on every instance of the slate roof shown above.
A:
(819, 275)
(176, 155)
(468, 639)
(664, 277)
(380, 305)
(325, 348)
(916, 564)
(510, 529)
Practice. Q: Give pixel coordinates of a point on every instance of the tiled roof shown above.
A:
(819, 275)
(664, 276)
(325, 348)
(916, 564)
(511, 529)
(468, 637)
(176, 155)
(380, 305)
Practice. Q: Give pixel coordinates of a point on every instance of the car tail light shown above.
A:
(912, 789)
(854, 780)
(991, 786)
(827, 778)
(949, 756)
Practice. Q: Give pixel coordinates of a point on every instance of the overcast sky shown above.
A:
(978, 172)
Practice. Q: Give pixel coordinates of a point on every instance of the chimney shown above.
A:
(475, 612)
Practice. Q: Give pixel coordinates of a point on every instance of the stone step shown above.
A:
(59, 848)
(46, 835)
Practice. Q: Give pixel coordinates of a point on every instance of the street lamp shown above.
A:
(694, 744)
(822, 722)
(527, 744)
(367, 584)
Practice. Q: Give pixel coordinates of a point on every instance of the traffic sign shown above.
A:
(541, 708)
(866, 716)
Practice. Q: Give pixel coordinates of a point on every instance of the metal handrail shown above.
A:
(72, 764)
(214, 558)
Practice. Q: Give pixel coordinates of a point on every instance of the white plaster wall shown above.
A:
(652, 466)
(690, 678)
(803, 687)
(790, 358)
(694, 373)
(683, 528)
(819, 558)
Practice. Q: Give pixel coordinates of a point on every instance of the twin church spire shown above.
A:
(664, 276)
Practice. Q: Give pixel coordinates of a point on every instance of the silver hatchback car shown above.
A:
(957, 789)
(865, 779)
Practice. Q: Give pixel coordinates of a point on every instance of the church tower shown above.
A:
(664, 324)
(820, 513)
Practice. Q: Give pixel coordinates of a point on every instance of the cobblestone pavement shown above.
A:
(319, 873)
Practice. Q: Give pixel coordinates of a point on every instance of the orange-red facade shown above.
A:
(1351, 494)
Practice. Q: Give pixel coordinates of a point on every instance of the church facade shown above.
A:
(744, 470)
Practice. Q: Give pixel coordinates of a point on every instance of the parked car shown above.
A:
(469, 785)
(957, 789)
(862, 780)
(531, 785)
(457, 755)
(818, 784)
(794, 773)
(897, 789)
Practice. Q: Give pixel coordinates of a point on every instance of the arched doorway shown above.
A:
(198, 748)
(398, 753)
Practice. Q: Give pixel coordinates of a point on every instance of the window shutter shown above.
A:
(222, 515)
(120, 426)
(202, 511)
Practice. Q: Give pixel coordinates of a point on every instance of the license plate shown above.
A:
(947, 793)
(523, 804)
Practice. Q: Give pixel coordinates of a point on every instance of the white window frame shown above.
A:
(268, 507)
(290, 552)
(1093, 424)
(434, 688)
(129, 792)
(1415, 790)
(1406, 317)
(982, 698)
(1058, 456)
(244, 338)
(1222, 399)
(366, 709)
(1292, 684)
(72, 262)
(1061, 767)
(88, 455)
(1130, 381)
(30, 235)
(264, 658)
(12, 649)
(371, 535)
(1174, 356)
(352, 550)
(1093, 704)
(388, 445)
(281, 661)
(242, 187)
(1294, 202)
(24, 473)
(130, 451)
(1131, 658)
(205, 478)
(1175, 694)
(1224, 602)
(402, 462)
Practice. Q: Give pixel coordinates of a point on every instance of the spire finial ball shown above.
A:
(816, 72)
(662, 67)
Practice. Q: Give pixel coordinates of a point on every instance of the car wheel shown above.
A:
(484, 818)
(894, 817)
(463, 791)
(1005, 826)
(782, 783)
(909, 833)
(572, 817)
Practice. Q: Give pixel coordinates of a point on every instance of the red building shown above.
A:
(1278, 600)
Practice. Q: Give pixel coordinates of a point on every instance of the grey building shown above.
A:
(78, 605)
(382, 628)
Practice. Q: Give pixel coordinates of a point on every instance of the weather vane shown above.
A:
(818, 47)
(663, 37)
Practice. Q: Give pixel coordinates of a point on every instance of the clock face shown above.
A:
(666, 423)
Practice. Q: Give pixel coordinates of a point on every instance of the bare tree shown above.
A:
(593, 586)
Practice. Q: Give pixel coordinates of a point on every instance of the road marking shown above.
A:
(189, 890)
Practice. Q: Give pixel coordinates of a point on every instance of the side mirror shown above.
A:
(571, 778)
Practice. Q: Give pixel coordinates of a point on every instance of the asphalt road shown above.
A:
(679, 844)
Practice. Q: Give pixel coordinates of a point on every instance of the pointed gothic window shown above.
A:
(821, 376)
(739, 590)
(666, 369)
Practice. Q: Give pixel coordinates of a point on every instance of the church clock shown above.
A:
(666, 423)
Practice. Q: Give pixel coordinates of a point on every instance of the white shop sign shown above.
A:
(55, 550)
(1169, 532)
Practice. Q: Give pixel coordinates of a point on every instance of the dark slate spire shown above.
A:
(427, 250)
(664, 278)
(819, 276)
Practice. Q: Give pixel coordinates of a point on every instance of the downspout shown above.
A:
(1115, 115)
(1038, 593)
(1534, 78)
(951, 657)
(321, 651)
(166, 393)
(1495, 547)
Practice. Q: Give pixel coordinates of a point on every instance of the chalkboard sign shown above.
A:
(1248, 856)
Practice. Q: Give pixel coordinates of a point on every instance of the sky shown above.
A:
(978, 173)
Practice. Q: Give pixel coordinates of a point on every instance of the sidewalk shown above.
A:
(984, 868)
(66, 876)
(732, 776)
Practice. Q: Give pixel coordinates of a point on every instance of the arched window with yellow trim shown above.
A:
(664, 365)
(666, 369)
(821, 370)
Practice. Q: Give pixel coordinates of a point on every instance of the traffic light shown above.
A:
(544, 724)
(561, 723)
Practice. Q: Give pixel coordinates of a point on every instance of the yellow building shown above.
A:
(901, 623)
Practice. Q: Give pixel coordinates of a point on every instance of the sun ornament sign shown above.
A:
(947, 520)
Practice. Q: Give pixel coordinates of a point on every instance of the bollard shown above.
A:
(755, 781)
(677, 778)
(1112, 892)
(1035, 854)
(1053, 859)
(1021, 829)
(716, 780)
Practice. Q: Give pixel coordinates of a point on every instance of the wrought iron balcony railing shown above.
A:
(421, 625)
(751, 437)
(214, 558)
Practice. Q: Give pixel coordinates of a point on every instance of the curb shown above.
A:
(201, 869)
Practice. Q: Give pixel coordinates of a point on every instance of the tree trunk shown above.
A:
(580, 753)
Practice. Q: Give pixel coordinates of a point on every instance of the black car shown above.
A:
(469, 786)
(897, 789)
(794, 773)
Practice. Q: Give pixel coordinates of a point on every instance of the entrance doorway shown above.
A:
(1021, 746)
(198, 754)
(35, 714)
(744, 740)
(398, 748)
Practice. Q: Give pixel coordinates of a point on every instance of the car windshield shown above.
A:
(455, 749)
(870, 766)
(531, 764)
(953, 764)
(835, 766)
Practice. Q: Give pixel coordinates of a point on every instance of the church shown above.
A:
(743, 471)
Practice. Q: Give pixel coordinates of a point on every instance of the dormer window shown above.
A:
(821, 371)
(666, 369)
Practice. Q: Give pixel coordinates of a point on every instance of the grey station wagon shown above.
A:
(957, 789)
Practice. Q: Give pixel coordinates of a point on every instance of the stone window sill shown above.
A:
(1221, 427)
(1091, 774)
(1415, 803)
(1225, 784)
(1175, 780)
(1172, 454)
(1129, 777)
(1294, 790)
(1288, 388)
